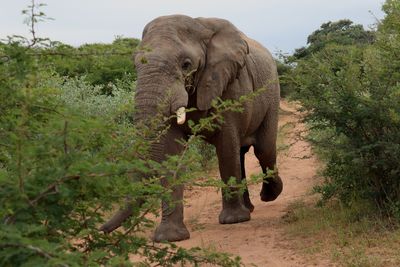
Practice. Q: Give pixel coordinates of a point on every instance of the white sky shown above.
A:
(278, 24)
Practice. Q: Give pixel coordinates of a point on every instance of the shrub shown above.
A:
(68, 155)
(284, 71)
(352, 94)
(101, 64)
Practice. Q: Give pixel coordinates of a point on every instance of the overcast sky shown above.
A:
(281, 25)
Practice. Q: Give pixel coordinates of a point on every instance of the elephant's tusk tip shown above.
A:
(181, 115)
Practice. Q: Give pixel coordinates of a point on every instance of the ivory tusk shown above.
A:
(181, 115)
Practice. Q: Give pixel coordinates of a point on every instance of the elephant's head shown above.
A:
(181, 56)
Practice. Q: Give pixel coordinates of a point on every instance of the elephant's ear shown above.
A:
(225, 55)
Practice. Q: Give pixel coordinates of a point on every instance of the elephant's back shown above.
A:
(261, 66)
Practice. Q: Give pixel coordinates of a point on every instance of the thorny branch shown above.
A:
(130, 229)
(36, 250)
(52, 188)
(198, 259)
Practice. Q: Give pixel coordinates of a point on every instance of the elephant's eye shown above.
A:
(187, 63)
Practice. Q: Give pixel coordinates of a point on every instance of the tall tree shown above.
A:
(342, 32)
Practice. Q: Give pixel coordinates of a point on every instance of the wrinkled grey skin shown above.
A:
(227, 64)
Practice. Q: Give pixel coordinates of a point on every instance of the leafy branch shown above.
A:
(34, 249)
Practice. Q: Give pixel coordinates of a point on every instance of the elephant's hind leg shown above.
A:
(246, 197)
(265, 151)
(228, 152)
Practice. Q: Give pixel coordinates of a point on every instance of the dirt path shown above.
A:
(258, 241)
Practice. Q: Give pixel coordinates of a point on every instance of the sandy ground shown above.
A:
(259, 241)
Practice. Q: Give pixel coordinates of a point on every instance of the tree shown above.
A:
(342, 32)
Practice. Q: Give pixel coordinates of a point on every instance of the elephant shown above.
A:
(223, 63)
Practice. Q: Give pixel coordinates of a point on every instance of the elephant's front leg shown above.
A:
(171, 227)
(228, 152)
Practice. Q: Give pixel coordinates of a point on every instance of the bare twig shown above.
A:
(65, 137)
(32, 23)
(19, 164)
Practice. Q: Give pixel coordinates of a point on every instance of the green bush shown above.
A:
(352, 97)
(101, 64)
(68, 155)
(78, 94)
(284, 71)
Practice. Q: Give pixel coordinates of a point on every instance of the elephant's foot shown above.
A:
(246, 201)
(168, 231)
(271, 190)
(235, 214)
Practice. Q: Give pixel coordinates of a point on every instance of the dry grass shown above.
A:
(347, 236)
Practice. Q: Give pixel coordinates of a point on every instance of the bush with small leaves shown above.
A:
(68, 155)
(352, 97)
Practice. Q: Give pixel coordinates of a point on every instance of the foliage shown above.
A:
(77, 93)
(207, 153)
(69, 153)
(342, 32)
(284, 69)
(99, 63)
(351, 94)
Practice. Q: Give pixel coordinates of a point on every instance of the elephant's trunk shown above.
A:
(117, 220)
(160, 89)
(153, 95)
